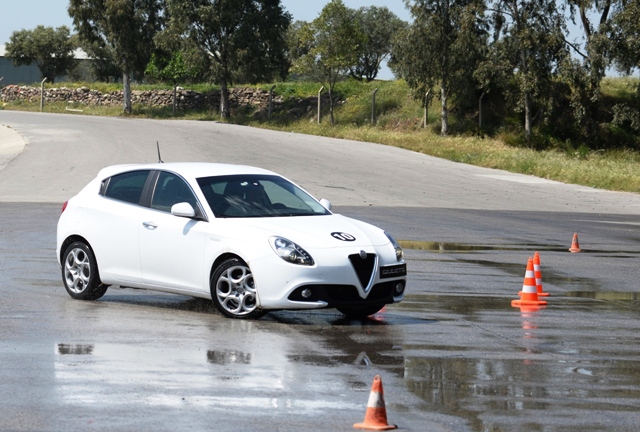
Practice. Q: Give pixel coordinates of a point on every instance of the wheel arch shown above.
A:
(71, 239)
(222, 258)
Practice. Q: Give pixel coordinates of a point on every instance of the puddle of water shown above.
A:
(549, 277)
(616, 296)
(228, 357)
(465, 387)
(74, 349)
(464, 304)
(462, 247)
(448, 247)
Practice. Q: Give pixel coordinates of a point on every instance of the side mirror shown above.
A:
(183, 209)
(326, 203)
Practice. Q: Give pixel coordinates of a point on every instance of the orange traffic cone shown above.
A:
(538, 273)
(376, 416)
(529, 293)
(575, 246)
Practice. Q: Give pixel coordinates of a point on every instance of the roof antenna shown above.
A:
(159, 158)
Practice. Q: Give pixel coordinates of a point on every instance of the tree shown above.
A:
(103, 63)
(584, 73)
(334, 39)
(234, 35)
(297, 45)
(530, 39)
(595, 35)
(379, 26)
(441, 48)
(171, 68)
(123, 28)
(625, 34)
(50, 49)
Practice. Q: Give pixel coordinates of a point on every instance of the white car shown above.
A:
(247, 238)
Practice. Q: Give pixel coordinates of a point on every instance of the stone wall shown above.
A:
(186, 99)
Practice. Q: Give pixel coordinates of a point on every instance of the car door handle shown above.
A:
(149, 225)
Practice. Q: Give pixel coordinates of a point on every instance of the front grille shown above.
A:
(365, 268)
(345, 295)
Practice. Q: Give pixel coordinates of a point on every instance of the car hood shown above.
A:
(330, 231)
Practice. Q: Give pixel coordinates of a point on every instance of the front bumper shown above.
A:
(338, 279)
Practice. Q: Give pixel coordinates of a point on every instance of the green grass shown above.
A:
(398, 123)
(620, 88)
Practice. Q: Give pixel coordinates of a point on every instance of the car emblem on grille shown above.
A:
(343, 236)
(363, 254)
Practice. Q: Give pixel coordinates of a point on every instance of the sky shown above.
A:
(27, 14)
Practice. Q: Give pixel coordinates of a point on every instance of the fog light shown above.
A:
(399, 288)
(306, 293)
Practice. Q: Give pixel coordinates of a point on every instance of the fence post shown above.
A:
(271, 100)
(373, 107)
(175, 95)
(480, 109)
(319, 104)
(42, 94)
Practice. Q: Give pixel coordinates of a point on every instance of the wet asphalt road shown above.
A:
(454, 356)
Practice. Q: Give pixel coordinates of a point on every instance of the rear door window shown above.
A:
(126, 187)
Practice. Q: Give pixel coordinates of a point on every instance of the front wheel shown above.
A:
(360, 312)
(233, 290)
(80, 273)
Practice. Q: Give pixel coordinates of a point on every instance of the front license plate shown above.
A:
(393, 271)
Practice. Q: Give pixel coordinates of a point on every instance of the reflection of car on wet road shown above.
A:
(244, 237)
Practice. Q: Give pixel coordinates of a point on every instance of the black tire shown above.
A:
(80, 274)
(233, 290)
(360, 312)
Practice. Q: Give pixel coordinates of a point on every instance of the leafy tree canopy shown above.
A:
(122, 28)
(332, 42)
(441, 49)
(379, 26)
(239, 38)
(50, 49)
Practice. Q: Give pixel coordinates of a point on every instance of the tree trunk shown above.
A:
(224, 100)
(527, 117)
(126, 81)
(425, 114)
(445, 113)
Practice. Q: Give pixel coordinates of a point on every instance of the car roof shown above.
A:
(187, 169)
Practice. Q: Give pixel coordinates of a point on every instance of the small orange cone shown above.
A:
(575, 246)
(529, 293)
(375, 417)
(538, 273)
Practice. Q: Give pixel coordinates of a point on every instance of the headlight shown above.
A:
(396, 246)
(290, 252)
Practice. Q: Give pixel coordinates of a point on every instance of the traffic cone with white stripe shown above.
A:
(375, 417)
(575, 245)
(538, 273)
(529, 293)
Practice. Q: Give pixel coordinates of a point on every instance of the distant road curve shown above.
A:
(64, 151)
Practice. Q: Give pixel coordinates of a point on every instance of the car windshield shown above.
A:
(244, 196)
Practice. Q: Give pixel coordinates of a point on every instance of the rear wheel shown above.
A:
(233, 290)
(360, 312)
(80, 273)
